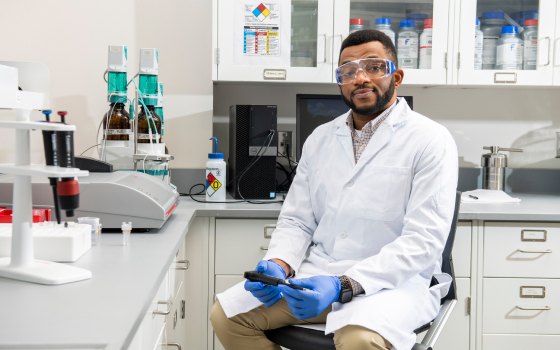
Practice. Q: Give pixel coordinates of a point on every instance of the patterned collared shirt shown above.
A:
(361, 139)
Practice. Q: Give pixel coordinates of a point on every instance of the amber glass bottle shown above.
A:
(119, 124)
(143, 136)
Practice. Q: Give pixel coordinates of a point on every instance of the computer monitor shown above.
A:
(314, 110)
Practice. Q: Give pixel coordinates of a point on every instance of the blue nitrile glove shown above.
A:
(324, 291)
(268, 295)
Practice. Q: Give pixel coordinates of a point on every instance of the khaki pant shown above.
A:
(246, 331)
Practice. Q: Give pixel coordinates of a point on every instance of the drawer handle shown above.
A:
(535, 251)
(183, 267)
(546, 308)
(173, 344)
(266, 227)
(169, 308)
(264, 248)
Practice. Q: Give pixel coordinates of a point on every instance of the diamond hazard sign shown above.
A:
(212, 184)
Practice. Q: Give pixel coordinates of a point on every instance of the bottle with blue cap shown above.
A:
(478, 45)
(491, 26)
(384, 25)
(215, 175)
(407, 45)
(509, 53)
(418, 19)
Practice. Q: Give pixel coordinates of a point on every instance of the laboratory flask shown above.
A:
(119, 123)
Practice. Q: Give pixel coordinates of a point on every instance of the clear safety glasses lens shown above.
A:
(374, 68)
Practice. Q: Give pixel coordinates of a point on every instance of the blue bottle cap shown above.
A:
(407, 23)
(477, 21)
(510, 30)
(215, 155)
(417, 16)
(383, 21)
(493, 15)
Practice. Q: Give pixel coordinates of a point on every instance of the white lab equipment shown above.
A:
(407, 45)
(509, 52)
(492, 23)
(426, 45)
(126, 228)
(356, 24)
(478, 46)
(384, 25)
(418, 19)
(529, 37)
(215, 175)
(95, 228)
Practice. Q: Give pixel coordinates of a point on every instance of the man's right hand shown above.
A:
(268, 295)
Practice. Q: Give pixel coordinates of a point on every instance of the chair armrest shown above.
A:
(421, 347)
(437, 326)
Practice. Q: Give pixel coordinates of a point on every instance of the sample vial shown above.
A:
(126, 228)
(95, 228)
(509, 54)
(426, 45)
(407, 45)
(529, 37)
(478, 46)
(384, 25)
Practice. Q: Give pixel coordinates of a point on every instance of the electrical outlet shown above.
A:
(286, 143)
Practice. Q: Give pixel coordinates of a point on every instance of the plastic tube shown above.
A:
(126, 228)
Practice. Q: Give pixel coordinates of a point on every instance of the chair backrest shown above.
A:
(447, 259)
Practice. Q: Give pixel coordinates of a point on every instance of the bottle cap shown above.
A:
(405, 23)
(493, 15)
(510, 30)
(417, 16)
(126, 227)
(532, 14)
(383, 21)
(477, 21)
(215, 155)
(428, 23)
(531, 22)
(356, 21)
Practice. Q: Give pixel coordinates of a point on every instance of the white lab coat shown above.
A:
(382, 221)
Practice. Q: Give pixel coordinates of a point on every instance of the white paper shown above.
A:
(262, 34)
(487, 196)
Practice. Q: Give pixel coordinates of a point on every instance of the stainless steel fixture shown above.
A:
(494, 167)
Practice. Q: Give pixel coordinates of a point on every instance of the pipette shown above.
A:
(255, 276)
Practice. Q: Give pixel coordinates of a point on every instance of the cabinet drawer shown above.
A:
(519, 250)
(502, 300)
(152, 325)
(241, 244)
(461, 253)
(224, 283)
(520, 342)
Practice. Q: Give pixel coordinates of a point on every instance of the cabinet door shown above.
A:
(514, 13)
(368, 11)
(280, 41)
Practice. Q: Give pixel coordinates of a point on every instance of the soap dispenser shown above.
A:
(494, 167)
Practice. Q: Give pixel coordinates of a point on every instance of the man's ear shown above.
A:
(399, 76)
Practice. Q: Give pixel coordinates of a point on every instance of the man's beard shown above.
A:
(380, 101)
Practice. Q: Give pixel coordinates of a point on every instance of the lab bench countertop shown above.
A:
(106, 311)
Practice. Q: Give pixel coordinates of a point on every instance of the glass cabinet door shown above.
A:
(419, 29)
(281, 40)
(503, 42)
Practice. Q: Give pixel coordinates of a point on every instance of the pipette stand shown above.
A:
(21, 265)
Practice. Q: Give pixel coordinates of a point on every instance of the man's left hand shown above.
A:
(323, 291)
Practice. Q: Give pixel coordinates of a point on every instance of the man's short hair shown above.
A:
(365, 36)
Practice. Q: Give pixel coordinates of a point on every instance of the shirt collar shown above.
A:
(350, 118)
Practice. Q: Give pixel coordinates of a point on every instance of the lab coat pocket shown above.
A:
(380, 192)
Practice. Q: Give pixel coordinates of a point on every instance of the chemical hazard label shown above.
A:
(212, 184)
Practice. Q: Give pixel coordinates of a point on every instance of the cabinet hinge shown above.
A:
(182, 309)
(446, 60)
(217, 55)
(459, 60)
(469, 306)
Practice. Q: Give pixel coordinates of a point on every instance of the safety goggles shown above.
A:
(374, 68)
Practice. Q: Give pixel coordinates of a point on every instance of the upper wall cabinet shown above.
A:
(280, 40)
(506, 42)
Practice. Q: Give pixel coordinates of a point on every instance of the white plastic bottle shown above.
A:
(384, 25)
(407, 45)
(529, 37)
(215, 175)
(478, 46)
(426, 45)
(355, 25)
(492, 23)
(509, 54)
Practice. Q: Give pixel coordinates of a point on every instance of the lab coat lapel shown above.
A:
(344, 136)
(379, 139)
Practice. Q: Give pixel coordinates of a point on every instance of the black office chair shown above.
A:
(297, 338)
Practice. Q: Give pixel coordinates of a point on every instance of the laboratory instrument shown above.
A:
(384, 25)
(407, 45)
(418, 19)
(255, 276)
(126, 228)
(356, 24)
(95, 228)
(159, 107)
(51, 158)
(426, 45)
(491, 27)
(250, 129)
(529, 37)
(509, 51)
(216, 175)
(117, 74)
(478, 46)
(21, 264)
(494, 167)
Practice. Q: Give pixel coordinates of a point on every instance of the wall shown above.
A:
(71, 39)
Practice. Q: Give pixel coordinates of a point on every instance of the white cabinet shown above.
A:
(514, 10)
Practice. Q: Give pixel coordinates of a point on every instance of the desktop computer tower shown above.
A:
(250, 128)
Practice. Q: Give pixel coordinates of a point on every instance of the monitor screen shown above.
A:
(314, 110)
